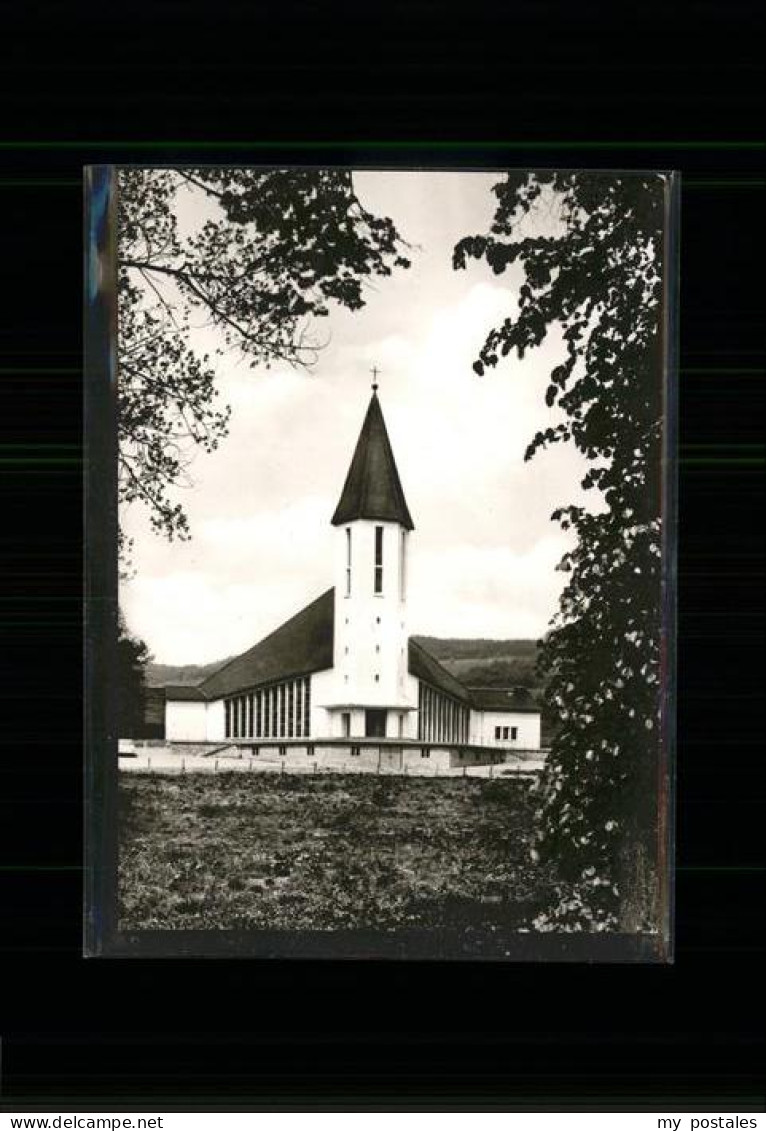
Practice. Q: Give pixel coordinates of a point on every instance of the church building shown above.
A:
(344, 667)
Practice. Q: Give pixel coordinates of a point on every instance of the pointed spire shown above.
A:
(373, 488)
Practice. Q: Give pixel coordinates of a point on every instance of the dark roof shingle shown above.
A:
(182, 692)
(304, 644)
(426, 667)
(301, 645)
(373, 488)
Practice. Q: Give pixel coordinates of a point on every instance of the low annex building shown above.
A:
(345, 667)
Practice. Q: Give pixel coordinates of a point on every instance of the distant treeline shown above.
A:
(452, 648)
(495, 673)
(180, 675)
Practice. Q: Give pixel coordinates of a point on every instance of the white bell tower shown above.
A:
(372, 534)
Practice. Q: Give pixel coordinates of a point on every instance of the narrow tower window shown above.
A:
(348, 561)
(403, 566)
(378, 559)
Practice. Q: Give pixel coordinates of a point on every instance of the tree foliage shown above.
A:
(132, 658)
(600, 278)
(277, 248)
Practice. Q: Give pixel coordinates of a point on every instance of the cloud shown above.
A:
(495, 593)
(484, 550)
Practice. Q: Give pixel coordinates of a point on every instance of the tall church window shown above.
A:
(307, 706)
(282, 711)
(378, 559)
(348, 561)
(227, 706)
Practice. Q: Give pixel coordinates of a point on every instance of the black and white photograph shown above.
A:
(393, 470)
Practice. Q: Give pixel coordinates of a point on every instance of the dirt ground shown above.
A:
(233, 851)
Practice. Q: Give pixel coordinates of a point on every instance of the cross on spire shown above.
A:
(375, 371)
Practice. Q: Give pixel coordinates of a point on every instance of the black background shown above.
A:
(669, 86)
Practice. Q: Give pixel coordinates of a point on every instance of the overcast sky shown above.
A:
(484, 550)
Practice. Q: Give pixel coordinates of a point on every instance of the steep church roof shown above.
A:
(373, 488)
(424, 666)
(301, 645)
(304, 644)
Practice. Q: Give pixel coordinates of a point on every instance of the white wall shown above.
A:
(322, 693)
(216, 721)
(483, 723)
(185, 720)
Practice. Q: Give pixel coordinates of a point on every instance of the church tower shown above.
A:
(372, 531)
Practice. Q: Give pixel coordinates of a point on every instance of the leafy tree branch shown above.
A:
(278, 248)
(600, 278)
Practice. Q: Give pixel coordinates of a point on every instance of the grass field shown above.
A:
(234, 851)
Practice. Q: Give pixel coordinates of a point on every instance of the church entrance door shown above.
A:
(375, 723)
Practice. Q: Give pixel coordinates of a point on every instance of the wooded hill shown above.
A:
(486, 663)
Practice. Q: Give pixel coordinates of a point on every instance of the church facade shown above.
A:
(345, 666)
